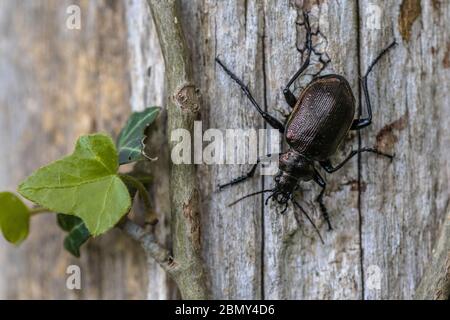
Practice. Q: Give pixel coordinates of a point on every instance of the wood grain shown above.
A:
(231, 237)
(405, 202)
(296, 264)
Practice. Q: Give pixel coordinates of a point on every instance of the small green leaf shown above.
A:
(130, 138)
(78, 233)
(67, 222)
(14, 218)
(84, 184)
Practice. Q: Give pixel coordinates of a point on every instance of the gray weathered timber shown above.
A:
(404, 203)
(231, 237)
(385, 227)
(296, 264)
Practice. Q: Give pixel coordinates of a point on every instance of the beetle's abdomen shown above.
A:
(321, 118)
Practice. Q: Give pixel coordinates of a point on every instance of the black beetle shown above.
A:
(320, 119)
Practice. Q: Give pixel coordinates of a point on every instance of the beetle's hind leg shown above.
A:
(359, 124)
(305, 52)
(324, 60)
(288, 95)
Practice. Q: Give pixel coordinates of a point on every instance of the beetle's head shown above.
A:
(281, 197)
(284, 187)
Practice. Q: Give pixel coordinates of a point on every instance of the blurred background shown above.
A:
(58, 82)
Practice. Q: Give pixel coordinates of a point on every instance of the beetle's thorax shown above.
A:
(294, 164)
(293, 167)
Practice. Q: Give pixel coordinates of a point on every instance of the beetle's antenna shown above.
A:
(381, 54)
(307, 216)
(285, 208)
(248, 196)
(268, 198)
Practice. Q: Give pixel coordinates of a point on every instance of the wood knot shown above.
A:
(171, 263)
(446, 60)
(386, 137)
(410, 10)
(187, 98)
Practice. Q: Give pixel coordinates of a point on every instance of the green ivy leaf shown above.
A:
(78, 233)
(130, 138)
(67, 222)
(84, 184)
(14, 218)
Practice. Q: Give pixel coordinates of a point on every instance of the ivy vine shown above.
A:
(85, 188)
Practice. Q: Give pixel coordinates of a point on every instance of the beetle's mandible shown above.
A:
(321, 117)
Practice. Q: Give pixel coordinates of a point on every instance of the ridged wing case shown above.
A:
(321, 118)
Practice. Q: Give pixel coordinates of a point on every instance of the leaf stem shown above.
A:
(37, 210)
(144, 179)
(143, 194)
(151, 246)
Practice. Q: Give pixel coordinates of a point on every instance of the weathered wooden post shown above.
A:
(57, 84)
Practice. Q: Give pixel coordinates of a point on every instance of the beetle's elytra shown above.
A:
(320, 119)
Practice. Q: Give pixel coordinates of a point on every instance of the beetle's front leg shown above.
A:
(321, 182)
(242, 178)
(246, 176)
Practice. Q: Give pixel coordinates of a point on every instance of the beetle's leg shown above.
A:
(323, 61)
(276, 124)
(307, 217)
(328, 167)
(359, 124)
(242, 178)
(362, 123)
(285, 114)
(246, 176)
(319, 180)
(288, 95)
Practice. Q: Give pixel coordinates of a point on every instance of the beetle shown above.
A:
(321, 117)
